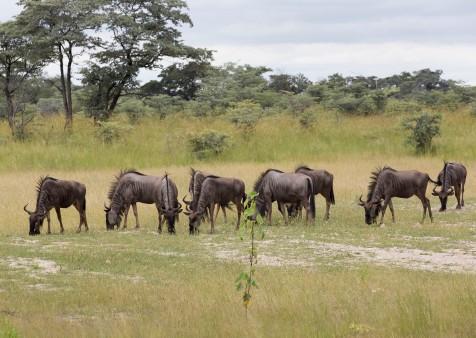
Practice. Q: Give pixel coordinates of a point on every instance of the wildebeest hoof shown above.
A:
(442, 209)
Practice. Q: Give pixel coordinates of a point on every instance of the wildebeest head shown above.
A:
(293, 209)
(36, 221)
(113, 218)
(194, 222)
(443, 195)
(372, 210)
(171, 215)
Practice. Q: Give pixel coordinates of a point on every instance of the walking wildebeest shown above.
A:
(54, 193)
(196, 179)
(452, 175)
(212, 191)
(168, 205)
(274, 185)
(133, 187)
(323, 183)
(387, 183)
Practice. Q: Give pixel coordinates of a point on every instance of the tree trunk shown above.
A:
(9, 98)
(69, 111)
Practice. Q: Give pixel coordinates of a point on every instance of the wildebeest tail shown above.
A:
(435, 182)
(333, 201)
(312, 198)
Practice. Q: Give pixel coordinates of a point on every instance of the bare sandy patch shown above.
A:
(32, 264)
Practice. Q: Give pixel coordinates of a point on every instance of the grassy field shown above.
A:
(335, 278)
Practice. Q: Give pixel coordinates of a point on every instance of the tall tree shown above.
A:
(141, 33)
(20, 58)
(64, 24)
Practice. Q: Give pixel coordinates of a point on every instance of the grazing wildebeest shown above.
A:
(452, 175)
(168, 205)
(274, 185)
(323, 183)
(386, 183)
(212, 191)
(54, 193)
(196, 179)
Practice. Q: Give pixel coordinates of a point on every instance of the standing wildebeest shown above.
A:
(386, 183)
(274, 185)
(167, 203)
(452, 175)
(132, 187)
(216, 190)
(322, 182)
(54, 193)
(196, 179)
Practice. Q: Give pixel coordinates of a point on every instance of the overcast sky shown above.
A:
(321, 37)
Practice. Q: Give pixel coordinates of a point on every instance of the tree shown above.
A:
(182, 80)
(141, 34)
(289, 83)
(423, 127)
(64, 24)
(20, 58)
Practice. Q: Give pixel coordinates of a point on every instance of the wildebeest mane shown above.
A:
(374, 180)
(260, 179)
(114, 184)
(302, 167)
(39, 186)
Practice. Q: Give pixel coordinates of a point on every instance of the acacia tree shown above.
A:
(64, 24)
(141, 34)
(20, 58)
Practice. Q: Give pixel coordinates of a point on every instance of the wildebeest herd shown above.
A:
(291, 191)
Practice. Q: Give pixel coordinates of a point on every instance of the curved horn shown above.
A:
(434, 192)
(28, 212)
(451, 191)
(362, 203)
(106, 208)
(186, 202)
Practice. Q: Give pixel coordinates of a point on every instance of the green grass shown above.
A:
(335, 278)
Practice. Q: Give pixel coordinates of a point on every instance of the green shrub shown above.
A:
(423, 128)
(207, 143)
(110, 131)
(307, 119)
(245, 115)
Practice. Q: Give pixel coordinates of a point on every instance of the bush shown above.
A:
(245, 115)
(307, 119)
(108, 132)
(423, 127)
(472, 109)
(207, 143)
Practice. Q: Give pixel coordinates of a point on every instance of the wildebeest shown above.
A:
(167, 203)
(196, 179)
(452, 175)
(212, 191)
(323, 183)
(55, 193)
(133, 187)
(386, 183)
(274, 185)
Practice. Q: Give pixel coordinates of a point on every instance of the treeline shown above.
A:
(123, 37)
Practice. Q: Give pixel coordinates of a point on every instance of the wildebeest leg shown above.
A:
(58, 213)
(134, 209)
(462, 191)
(239, 209)
(212, 221)
(126, 212)
(457, 195)
(385, 203)
(82, 216)
(391, 210)
(282, 209)
(269, 209)
(161, 221)
(426, 205)
(49, 222)
(328, 207)
(429, 209)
